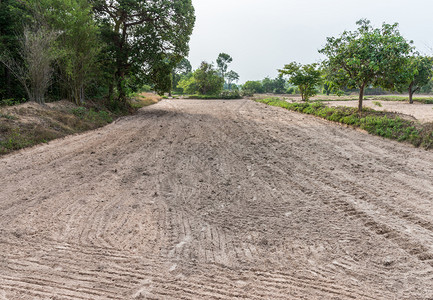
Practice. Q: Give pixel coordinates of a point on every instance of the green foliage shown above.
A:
(367, 56)
(306, 77)
(255, 87)
(231, 77)
(377, 103)
(98, 117)
(230, 95)
(182, 68)
(204, 81)
(222, 63)
(141, 34)
(417, 73)
(378, 123)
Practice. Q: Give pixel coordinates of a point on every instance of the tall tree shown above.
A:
(367, 56)
(222, 62)
(231, 77)
(78, 44)
(306, 77)
(141, 32)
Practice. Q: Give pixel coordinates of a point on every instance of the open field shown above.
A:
(419, 111)
(232, 199)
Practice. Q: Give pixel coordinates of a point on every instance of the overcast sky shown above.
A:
(263, 35)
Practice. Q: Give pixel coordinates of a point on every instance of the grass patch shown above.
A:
(383, 124)
(377, 103)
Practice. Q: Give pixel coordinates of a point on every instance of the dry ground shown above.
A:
(421, 112)
(220, 199)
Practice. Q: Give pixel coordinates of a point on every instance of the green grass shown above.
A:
(383, 124)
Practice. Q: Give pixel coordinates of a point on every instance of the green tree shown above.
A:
(306, 77)
(253, 86)
(367, 56)
(141, 33)
(78, 44)
(222, 62)
(279, 85)
(268, 85)
(417, 74)
(205, 81)
(231, 77)
(181, 69)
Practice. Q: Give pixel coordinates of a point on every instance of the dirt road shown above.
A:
(217, 200)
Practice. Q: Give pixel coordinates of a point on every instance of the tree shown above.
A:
(222, 62)
(78, 43)
(417, 73)
(253, 87)
(231, 77)
(367, 56)
(205, 81)
(268, 85)
(34, 68)
(306, 77)
(181, 69)
(11, 31)
(140, 33)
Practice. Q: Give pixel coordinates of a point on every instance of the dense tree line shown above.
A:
(80, 49)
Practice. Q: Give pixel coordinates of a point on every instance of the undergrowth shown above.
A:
(383, 124)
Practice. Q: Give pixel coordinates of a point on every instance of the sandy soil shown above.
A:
(421, 112)
(220, 199)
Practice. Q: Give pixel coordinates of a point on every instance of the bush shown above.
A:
(230, 95)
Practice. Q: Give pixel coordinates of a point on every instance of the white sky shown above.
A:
(263, 35)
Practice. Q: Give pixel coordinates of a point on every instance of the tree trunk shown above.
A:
(411, 93)
(361, 97)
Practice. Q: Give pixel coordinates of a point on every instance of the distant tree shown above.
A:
(222, 62)
(367, 56)
(279, 85)
(231, 77)
(417, 73)
(306, 77)
(268, 85)
(205, 81)
(181, 69)
(253, 86)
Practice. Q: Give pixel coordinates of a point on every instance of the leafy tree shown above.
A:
(78, 43)
(268, 85)
(181, 69)
(417, 73)
(208, 80)
(231, 77)
(367, 56)
(306, 77)
(279, 84)
(222, 62)
(141, 33)
(205, 81)
(253, 86)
